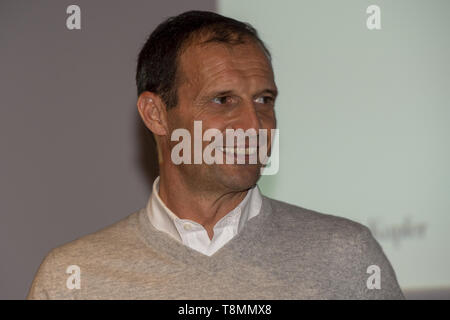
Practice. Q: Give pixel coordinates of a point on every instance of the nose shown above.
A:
(249, 118)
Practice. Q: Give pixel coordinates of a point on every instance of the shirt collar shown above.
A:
(165, 220)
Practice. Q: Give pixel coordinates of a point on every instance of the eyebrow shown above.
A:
(273, 92)
(222, 93)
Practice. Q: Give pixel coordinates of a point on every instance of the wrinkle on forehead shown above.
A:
(203, 64)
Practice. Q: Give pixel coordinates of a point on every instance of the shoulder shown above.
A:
(341, 239)
(88, 252)
(335, 245)
(288, 217)
(101, 243)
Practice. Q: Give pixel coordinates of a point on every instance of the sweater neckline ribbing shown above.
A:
(163, 243)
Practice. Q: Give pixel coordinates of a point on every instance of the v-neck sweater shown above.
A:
(285, 252)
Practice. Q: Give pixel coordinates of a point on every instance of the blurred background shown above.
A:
(364, 119)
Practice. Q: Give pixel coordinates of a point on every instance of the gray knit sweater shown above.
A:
(286, 252)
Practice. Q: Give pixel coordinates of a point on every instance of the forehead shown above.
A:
(210, 63)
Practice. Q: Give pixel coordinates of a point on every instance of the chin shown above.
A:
(240, 177)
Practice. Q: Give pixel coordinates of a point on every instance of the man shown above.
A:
(207, 232)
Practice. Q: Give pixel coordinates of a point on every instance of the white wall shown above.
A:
(364, 120)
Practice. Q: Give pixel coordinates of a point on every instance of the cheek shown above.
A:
(268, 120)
(216, 122)
(178, 119)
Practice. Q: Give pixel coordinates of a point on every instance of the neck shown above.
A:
(189, 202)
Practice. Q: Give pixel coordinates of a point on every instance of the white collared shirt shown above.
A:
(193, 234)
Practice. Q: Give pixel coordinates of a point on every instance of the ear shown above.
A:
(153, 112)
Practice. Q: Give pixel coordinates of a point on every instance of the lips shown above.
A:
(238, 150)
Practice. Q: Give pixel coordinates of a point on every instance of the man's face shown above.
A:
(224, 87)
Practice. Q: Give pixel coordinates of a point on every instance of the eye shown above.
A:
(223, 100)
(265, 100)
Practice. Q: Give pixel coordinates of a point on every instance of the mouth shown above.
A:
(238, 151)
